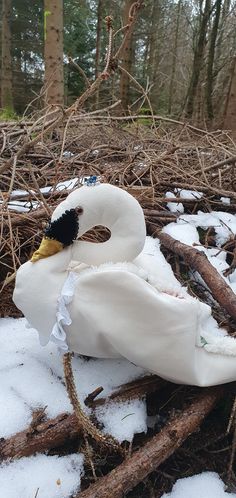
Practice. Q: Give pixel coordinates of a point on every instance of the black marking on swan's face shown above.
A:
(65, 229)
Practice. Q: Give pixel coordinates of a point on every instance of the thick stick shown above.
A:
(220, 290)
(135, 389)
(44, 436)
(136, 468)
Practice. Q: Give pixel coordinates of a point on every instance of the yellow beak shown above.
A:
(48, 247)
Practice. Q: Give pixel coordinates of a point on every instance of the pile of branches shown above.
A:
(147, 161)
(153, 163)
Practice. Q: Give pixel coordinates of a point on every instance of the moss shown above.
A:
(8, 114)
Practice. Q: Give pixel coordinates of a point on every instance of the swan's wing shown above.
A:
(159, 270)
(116, 313)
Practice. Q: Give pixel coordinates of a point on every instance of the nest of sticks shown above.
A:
(149, 162)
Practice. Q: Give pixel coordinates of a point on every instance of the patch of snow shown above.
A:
(22, 206)
(224, 224)
(23, 362)
(184, 232)
(67, 184)
(31, 377)
(188, 194)
(67, 153)
(16, 193)
(42, 476)
(174, 207)
(120, 418)
(205, 485)
(225, 200)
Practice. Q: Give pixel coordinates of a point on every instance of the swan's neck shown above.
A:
(114, 209)
(58, 263)
(94, 254)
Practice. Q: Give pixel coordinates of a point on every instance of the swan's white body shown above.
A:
(118, 298)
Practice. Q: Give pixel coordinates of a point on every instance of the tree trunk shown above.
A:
(6, 69)
(98, 45)
(198, 58)
(127, 59)
(211, 60)
(98, 40)
(230, 109)
(153, 56)
(53, 51)
(174, 58)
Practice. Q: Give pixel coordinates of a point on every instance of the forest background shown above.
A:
(182, 52)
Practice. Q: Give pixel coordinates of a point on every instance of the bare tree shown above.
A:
(230, 109)
(211, 60)
(127, 58)
(53, 51)
(6, 69)
(174, 57)
(98, 43)
(198, 56)
(153, 52)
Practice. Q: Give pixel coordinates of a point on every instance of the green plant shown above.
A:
(8, 114)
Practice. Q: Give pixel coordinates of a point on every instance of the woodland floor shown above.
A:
(159, 165)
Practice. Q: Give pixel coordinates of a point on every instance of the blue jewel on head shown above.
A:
(92, 180)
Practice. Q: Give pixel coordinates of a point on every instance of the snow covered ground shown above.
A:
(205, 485)
(32, 377)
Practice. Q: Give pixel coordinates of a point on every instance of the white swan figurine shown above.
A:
(120, 298)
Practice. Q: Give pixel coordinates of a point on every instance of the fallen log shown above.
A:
(44, 436)
(136, 468)
(220, 290)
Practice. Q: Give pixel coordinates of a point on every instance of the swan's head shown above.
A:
(58, 234)
(88, 207)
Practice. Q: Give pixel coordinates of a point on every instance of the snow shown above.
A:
(22, 206)
(67, 184)
(174, 207)
(42, 476)
(224, 224)
(31, 377)
(225, 200)
(205, 485)
(188, 194)
(118, 419)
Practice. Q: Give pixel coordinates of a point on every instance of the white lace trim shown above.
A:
(58, 334)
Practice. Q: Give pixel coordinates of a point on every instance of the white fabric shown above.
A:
(135, 309)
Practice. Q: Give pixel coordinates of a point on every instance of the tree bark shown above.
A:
(198, 58)
(147, 459)
(6, 69)
(126, 59)
(219, 288)
(98, 40)
(211, 60)
(174, 58)
(42, 437)
(154, 55)
(53, 52)
(98, 45)
(230, 108)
